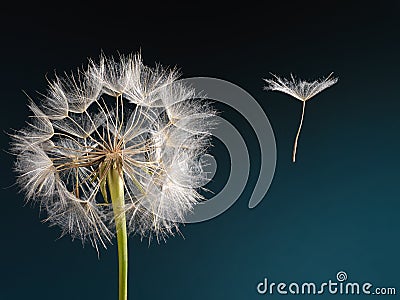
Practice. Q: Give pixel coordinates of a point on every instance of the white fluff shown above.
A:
(300, 89)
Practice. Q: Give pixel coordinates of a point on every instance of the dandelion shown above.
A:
(114, 149)
(301, 90)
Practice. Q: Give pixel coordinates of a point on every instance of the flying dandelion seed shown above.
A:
(115, 149)
(301, 90)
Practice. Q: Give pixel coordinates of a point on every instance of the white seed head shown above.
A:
(115, 111)
(302, 90)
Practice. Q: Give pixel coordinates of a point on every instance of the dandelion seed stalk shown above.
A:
(298, 132)
(301, 90)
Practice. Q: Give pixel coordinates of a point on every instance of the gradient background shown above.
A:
(337, 208)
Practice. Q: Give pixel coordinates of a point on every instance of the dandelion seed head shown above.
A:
(117, 113)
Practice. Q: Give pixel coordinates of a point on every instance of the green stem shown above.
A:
(116, 188)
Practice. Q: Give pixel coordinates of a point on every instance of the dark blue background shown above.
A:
(335, 209)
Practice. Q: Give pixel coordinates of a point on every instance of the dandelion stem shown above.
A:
(298, 131)
(116, 188)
